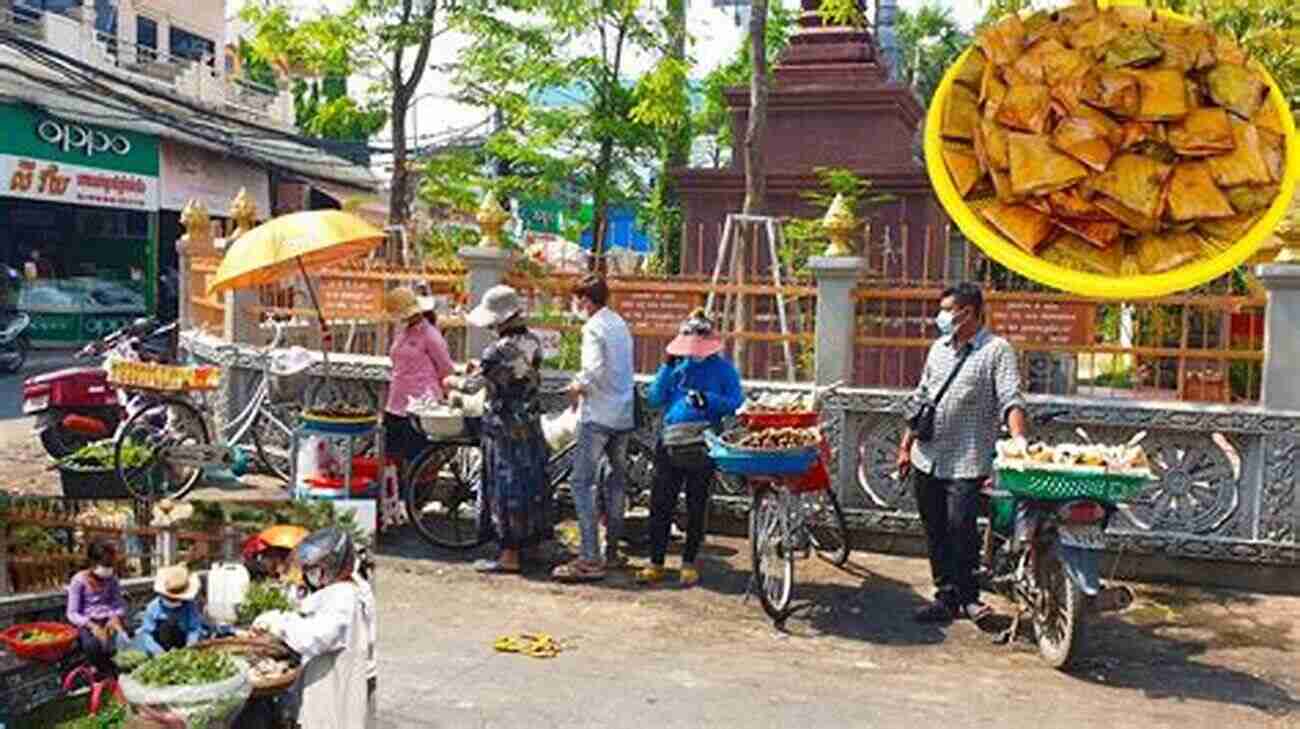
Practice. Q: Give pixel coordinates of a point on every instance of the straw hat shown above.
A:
(499, 304)
(695, 337)
(402, 304)
(176, 583)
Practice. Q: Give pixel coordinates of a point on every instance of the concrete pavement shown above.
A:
(851, 657)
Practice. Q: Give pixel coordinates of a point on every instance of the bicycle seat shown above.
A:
(291, 361)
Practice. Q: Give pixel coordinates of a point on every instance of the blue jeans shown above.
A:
(593, 441)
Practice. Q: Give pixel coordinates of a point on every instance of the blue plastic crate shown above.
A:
(748, 462)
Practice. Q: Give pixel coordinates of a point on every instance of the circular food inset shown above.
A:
(1115, 152)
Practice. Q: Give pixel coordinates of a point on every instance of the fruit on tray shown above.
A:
(38, 637)
(774, 438)
(778, 402)
(1126, 458)
(1115, 141)
(340, 411)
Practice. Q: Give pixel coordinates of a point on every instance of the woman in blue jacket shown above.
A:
(696, 388)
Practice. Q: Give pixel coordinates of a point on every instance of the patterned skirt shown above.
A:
(516, 491)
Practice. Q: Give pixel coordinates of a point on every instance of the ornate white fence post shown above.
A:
(1281, 387)
(837, 278)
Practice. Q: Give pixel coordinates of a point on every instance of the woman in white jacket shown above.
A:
(334, 632)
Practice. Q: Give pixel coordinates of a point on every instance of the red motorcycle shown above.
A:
(77, 406)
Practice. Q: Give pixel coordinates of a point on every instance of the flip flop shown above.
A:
(577, 571)
(493, 567)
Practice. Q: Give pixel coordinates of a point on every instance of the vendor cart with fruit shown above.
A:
(779, 450)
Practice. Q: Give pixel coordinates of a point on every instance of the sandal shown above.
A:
(494, 567)
(579, 571)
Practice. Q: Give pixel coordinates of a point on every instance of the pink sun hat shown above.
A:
(695, 337)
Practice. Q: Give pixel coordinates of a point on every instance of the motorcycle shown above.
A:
(15, 344)
(1044, 556)
(77, 406)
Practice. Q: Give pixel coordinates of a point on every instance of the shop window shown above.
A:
(146, 37)
(185, 44)
(113, 224)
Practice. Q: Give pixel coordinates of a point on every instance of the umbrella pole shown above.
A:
(326, 339)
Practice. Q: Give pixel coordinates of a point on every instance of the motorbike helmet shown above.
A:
(325, 556)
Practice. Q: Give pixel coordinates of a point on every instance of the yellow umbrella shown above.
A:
(292, 244)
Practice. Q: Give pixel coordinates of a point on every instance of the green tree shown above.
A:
(556, 72)
(714, 116)
(929, 40)
(387, 41)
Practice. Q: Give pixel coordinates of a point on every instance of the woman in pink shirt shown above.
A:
(420, 362)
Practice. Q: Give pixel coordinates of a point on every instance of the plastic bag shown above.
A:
(561, 429)
(207, 706)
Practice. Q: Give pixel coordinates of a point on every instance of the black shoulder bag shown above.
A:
(922, 421)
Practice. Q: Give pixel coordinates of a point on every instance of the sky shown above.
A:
(715, 38)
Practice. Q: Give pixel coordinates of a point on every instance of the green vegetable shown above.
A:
(186, 667)
(261, 597)
(130, 660)
(101, 454)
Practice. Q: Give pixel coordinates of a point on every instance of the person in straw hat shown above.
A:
(515, 486)
(172, 620)
(420, 360)
(696, 388)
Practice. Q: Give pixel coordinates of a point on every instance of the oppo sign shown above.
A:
(74, 138)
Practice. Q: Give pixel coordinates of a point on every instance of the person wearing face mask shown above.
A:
(420, 360)
(604, 387)
(516, 491)
(334, 631)
(172, 619)
(696, 388)
(97, 609)
(971, 380)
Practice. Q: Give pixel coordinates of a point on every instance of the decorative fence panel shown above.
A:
(1226, 487)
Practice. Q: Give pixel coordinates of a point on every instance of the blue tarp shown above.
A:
(622, 232)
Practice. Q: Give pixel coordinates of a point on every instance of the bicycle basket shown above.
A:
(1059, 485)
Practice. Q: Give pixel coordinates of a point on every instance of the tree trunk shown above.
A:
(600, 205)
(755, 159)
(399, 197)
(678, 152)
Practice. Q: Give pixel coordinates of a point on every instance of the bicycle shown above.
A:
(164, 446)
(789, 517)
(442, 485)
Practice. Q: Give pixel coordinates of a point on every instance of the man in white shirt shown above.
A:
(605, 390)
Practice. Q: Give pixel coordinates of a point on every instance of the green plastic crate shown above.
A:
(1064, 485)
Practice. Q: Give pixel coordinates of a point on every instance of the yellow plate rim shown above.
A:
(1093, 285)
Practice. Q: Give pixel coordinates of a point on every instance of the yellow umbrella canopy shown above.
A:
(291, 244)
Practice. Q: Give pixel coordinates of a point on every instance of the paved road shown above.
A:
(851, 657)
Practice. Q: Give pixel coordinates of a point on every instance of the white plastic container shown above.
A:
(227, 586)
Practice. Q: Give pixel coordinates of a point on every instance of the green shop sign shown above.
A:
(31, 132)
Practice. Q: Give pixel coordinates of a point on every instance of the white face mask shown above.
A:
(946, 321)
(103, 572)
(315, 578)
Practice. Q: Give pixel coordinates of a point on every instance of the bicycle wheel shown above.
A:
(829, 530)
(139, 450)
(273, 437)
(773, 562)
(442, 498)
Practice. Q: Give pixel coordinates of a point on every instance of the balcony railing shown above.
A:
(71, 33)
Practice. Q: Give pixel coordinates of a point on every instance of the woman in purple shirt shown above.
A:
(98, 610)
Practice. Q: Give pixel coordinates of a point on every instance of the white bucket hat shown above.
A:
(499, 304)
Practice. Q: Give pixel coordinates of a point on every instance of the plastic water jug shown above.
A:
(227, 585)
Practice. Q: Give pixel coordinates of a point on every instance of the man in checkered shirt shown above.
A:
(948, 470)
